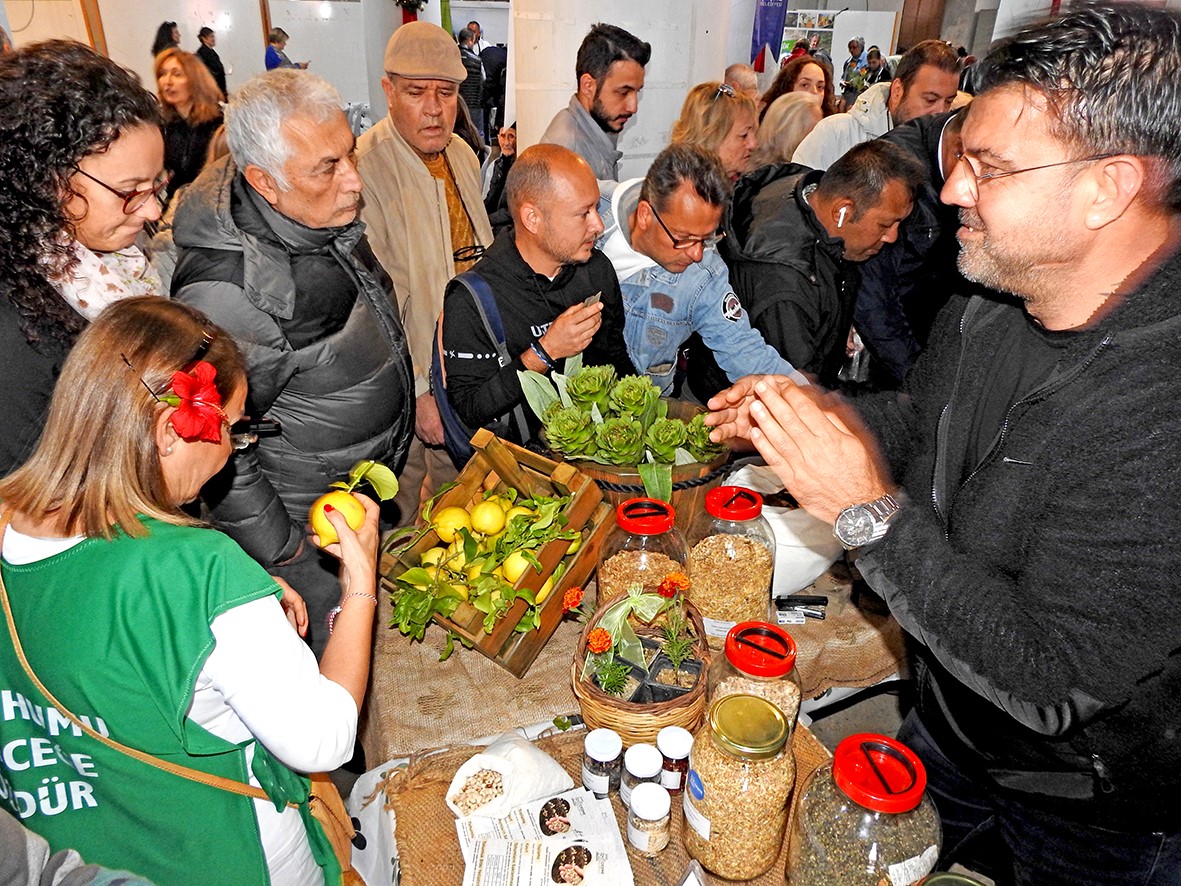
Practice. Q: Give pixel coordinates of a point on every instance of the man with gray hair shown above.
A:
(270, 248)
(742, 78)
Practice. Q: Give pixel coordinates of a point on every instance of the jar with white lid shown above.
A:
(649, 824)
(641, 763)
(674, 744)
(601, 752)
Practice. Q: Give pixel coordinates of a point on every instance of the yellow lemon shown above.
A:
(456, 560)
(487, 518)
(519, 511)
(514, 566)
(460, 588)
(432, 556)
(574, 545)
(503, 500)
(353, 510)
(544, 591)
(449, 521)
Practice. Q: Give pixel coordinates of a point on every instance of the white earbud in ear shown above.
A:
(841, 216)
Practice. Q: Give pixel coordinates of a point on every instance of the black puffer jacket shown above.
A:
(789, 275)
(1043, 588)
(326, 356)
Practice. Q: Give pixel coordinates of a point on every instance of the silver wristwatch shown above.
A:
(859, 525)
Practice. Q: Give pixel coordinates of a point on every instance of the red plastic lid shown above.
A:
(645, 516)
(760, 649)
(733, 503)
(879, 773)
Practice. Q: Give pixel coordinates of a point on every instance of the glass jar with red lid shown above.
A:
(865, 818)
(643, 548)
(758, 659)
(732, 558)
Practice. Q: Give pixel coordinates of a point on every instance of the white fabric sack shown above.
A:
(529, 774)
(804, 546)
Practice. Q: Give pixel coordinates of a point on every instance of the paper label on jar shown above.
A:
(625, 793)
(597, 784)
(693, 817)
(671, 779)
(715, 628)
(913, 869)
(636, 837)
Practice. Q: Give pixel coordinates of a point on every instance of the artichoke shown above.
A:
(591, 384)
(570, 431)
(634, 396)
(698, 443)
(620, 441)
(664, 437)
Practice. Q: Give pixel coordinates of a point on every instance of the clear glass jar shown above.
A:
(741, 773)
(732, 560)
(601, 758)
(865, 818)
(643, 547)
(758, 659)
(649, 824)
(674, 744)
(641, 763)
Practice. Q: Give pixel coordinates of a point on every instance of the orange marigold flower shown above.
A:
(572, 599)
(598, 640)
(678, 580)
(666, 589)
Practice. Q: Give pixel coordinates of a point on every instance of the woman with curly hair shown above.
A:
(720, 119)
(81, 158)
(191, 104)
(803, 74)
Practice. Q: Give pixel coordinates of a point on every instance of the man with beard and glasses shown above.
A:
(1030, 547)
(556, 294)
(610, 71)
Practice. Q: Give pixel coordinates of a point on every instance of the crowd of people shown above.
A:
(946, 323)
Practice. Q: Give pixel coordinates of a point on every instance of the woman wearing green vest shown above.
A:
(161, 633)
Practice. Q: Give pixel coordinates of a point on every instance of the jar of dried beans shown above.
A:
(865, 818)
(741, 773)
(732, 561)
(643, 548)
(758, 659)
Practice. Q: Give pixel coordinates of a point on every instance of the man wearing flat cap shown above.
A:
(424, 215)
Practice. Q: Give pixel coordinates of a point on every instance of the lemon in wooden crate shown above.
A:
(449, 521)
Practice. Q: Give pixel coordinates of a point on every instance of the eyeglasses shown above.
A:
(724, 89)
(688, 242)
(974, 180)
(133, 201)
(468, 253)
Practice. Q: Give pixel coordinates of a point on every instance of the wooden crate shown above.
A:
(500, 465)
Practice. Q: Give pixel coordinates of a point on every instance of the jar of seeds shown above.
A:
(643, 548)
(865, 819)
(601, 757)
(674, 743)
(741, 773)
(648, 821)
(759, 659)
(732, 561)
(641, 763)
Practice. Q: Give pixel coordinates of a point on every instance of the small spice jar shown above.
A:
(648, 820)
(641, 763)
(601, 750)
(674, 744)
(865, 818)
(732, 561)
(741, 772)
(643, 548)
(759, 659)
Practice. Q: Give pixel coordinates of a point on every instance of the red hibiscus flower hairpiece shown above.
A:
(198, 415)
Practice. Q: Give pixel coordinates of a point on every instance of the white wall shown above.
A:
(493, 18)
(46, 19)
(1012, 15)
(331, 35)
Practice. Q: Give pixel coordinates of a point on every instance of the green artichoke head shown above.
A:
(591, 384)
(698, 443)
(634, 396)
(570, 431)
(664, 437)
(620, 441)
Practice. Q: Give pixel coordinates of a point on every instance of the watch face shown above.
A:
(854, 526)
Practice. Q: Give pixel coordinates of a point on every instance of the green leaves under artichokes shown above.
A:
(620, 441)
(570, 431)
(591, 384)
(635, 396)
(663, 438)
(698, 443)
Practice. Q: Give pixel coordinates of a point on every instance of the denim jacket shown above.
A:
(662, 309)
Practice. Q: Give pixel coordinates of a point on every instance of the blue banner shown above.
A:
(768, 30)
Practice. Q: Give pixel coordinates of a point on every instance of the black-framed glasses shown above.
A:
(468, 253)
(974, 180)
(688, 242)
(724, 89)
(133, 201)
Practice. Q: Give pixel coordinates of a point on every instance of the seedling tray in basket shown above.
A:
(499, 465)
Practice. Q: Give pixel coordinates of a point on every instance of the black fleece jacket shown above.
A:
(477, 386)
(1042, 589)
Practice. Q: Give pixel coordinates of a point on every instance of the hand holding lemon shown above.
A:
(341, 499)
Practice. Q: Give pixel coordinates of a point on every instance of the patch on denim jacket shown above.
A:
(662, 302)
(731, 307)
(656, 335)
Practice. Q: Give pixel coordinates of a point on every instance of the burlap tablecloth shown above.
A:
(428, 847)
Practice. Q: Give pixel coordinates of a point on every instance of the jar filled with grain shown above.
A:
(758, 659)
(649, 824)
(641, 763)
(741, 773)
(865, 818)
(643, 548)
(732, 561)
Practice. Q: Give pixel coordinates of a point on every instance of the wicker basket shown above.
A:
(634, 722)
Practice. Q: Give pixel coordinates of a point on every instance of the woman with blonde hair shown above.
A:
(720, 119)
(787, 121)
(191, 106)
(161, 633)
